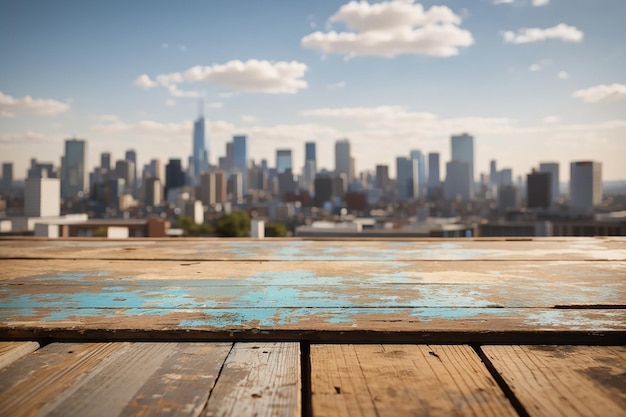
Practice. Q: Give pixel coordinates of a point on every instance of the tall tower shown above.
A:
(421, 171)
(553, 169)
(585, 187)
(74, 178)
(342, 158)
(131, 155)
(240, 157)
(463, 150)
(283, 160)
(200, 153)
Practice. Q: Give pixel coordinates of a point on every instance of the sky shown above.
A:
(531, 80)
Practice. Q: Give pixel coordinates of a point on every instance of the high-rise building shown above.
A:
(406, 175)
(200, 153)
(553, 169)
(508, 198)
(463, 150)
(585, 188)
(310, 166)
(105, 160)
(382, 177)
(174, 176)
(494, 175)
(283, 160)
(213, 187)
(42, 197)
(240, 157)
(131, 155)
(323, 190)
(125, 170)
(310, 153)
(506, 176)
(74, 178)
(539, 189)
(153, 191)
(343, 158)
(458, 181)
(421, 170)
(434, 175)
(6, 185)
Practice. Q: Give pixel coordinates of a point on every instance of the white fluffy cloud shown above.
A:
(602, 93)
(10, 106)
(257, 76)
(392, 28)
(563, 75)
(535, 67)
(561, 31)
(144, 81)
(539, 3)
(551, 119)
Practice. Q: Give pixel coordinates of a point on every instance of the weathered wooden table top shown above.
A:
(298, 327)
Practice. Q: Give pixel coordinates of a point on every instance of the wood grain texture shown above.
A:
(564, 380)
(12, 351)
(260, 379)
(28, 385)
(320, 250)
(403, 380)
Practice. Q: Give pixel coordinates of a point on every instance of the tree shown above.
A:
(191, 228)
(233, 225)
(275, 229)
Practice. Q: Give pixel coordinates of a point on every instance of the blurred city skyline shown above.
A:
(532, 81)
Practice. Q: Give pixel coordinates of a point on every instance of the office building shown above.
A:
(74, 178)
(323, 190)
(505, 177)
(105, 161)
(539, 190)
(458, 184)
(434, 175)
(463, 150)
(6, 186)
(235, 185)
(382, 177)
(131, 155)
(200, 155)
(283, 160)
(508, 198)
(406, 174)
(213, 188)
(585, 187)
(343, 159)
(125, 170)
(310, 152)
(240, 158)
(153, 191)
(553, 169)
(42, 197)
(174, 176)
(421, 171)
(41, 170)
(494, 175)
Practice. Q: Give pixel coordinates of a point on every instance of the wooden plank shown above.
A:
(12, 351)
(138, 323)
(296, 273)
(334, 250)
(564, 380)
(28, 385)
(403, 380)
(148, 379)
(260, 379)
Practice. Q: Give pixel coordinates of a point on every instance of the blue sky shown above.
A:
(532, 80)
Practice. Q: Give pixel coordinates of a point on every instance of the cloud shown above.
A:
(170, 102)
(25, 138)
(602, 93)
(561, 31)
(551, 119)
(535, 67)
(337, 85)
(250, 76)
(10, 106)
(539, 3)
(392, 28)
(502, 1)
(249, 118)
(563, 75)
(144, 82)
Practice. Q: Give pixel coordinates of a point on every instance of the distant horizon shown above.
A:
(531, 81)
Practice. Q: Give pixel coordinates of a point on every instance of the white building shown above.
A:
(42, 197)
(585, 187)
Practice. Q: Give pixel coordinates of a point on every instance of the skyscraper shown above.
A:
(42, 197)
(539, 189)
(310, 166)
(310, 153)
(382, 177)
(7, 177)
(105, 161)
(342, 158)
(553, 169)
(406, 175)
(74, 178)
(458, 181)
(125, 169)
(240, 158)
(174, 176)
(200, 154)
(463, 150)
(585, 187)
(131, 155)
(434, 175)
(421, 171)
(283, 160)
